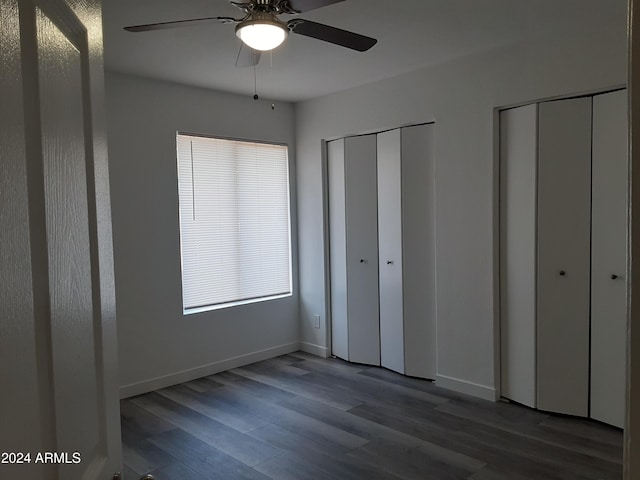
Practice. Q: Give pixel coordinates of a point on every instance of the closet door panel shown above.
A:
(609, 253)
(337, 249)
(390, 251)
(362, 249)
(518, 165)
(418, 246)
(564, 165)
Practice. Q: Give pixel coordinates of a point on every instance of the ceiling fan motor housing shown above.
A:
(277, 7)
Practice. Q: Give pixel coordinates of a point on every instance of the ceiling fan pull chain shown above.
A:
(273, 105)
(255, 84)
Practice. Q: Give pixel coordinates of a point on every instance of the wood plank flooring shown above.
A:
(299, 417)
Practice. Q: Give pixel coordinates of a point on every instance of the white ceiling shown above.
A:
(411, 34)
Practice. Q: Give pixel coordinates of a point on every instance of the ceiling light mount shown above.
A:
(277, 7)
(262, 31)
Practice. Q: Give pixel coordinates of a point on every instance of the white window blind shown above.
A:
(234, 220)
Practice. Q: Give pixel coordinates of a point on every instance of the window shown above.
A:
(235, 234)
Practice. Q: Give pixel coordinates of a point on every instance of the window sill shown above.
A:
(191, 311)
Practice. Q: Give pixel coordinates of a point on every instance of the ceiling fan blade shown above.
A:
(306, 5)
(333, 35)
(178, 23)
(247, 57)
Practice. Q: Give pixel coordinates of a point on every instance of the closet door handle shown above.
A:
(613, 276)
(389, 262)
(562, 273)
(362, 260)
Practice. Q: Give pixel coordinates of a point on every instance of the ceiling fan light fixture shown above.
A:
(262, 31)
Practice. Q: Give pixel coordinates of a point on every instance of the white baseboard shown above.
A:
(314, 349)
(469, 388)
(205, 370)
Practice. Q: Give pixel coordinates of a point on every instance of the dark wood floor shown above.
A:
(299, 417)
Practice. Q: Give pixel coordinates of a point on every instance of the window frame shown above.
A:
(234, 303)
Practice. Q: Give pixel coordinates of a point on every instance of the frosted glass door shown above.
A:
(563, 283)
(608, 260)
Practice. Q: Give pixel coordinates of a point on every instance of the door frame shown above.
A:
(632, 422)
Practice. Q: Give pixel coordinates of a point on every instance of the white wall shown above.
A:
(461, 97)
(158, 345)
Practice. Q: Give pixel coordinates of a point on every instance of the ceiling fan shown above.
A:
(262, 30)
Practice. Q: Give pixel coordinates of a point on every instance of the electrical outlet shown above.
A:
(316, 321)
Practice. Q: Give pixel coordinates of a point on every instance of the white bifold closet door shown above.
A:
(338, 249)
(418, 247)
(545, 168)
(382, 249)
(353, 247)
(518, 256)
(609, 258)
(564, 230)
(392, 322)
(406, 242)
(563, 255)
